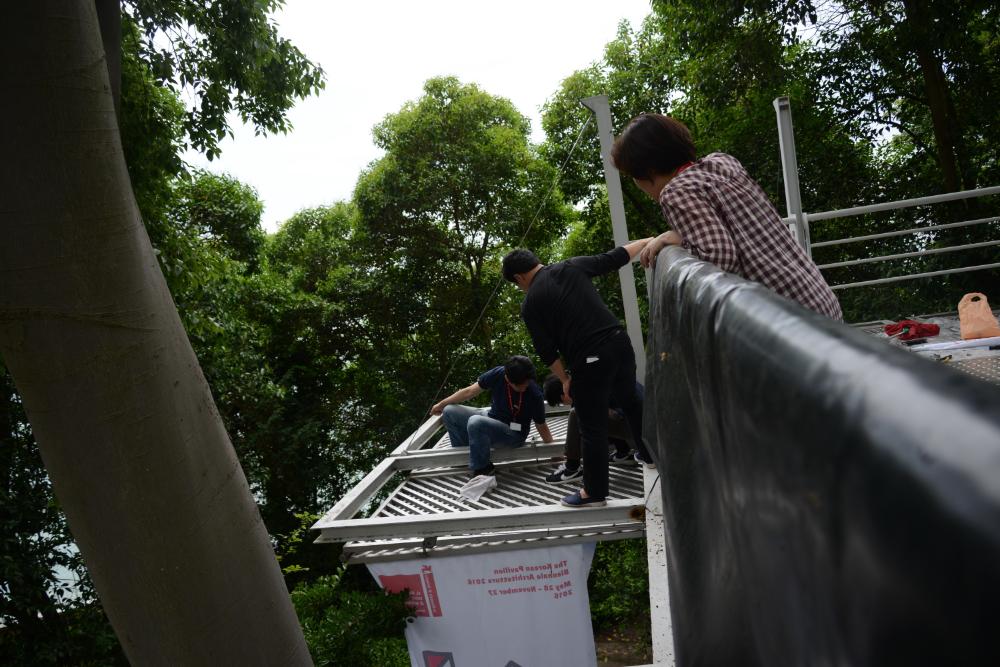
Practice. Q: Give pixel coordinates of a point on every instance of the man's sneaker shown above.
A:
(487, 470)
(564, 474)
(643, 460)
(577, 500)
(615, 457)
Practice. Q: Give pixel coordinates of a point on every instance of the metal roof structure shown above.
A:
(424, 515)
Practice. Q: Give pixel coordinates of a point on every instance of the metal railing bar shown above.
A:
(489, 546)
(434, 505)
(964, 269)
(362, 492)
(902, 203)
(457, 456)
(451, 540)
(388, 499)
(419, 438)
(528, 494)
(901, 232)
(622, 481)
(407, 506)
(902, 255)
(616, 513)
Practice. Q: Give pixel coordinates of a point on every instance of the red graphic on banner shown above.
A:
(430, 591)
(437, 659)
(423, 591)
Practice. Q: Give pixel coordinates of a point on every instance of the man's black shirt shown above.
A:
(563, 311)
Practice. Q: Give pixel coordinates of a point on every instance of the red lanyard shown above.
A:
(510, 401)
(681, 168)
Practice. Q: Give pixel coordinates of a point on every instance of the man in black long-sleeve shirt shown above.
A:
(565, 314)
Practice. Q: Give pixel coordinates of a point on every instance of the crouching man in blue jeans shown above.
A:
(515, 401)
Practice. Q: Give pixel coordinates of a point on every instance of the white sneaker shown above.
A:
(641, 461)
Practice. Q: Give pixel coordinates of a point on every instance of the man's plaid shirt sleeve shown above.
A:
(702, 232)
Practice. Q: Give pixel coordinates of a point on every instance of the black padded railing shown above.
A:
(829, 499)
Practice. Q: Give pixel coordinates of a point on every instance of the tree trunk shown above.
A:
(109, 18)
(124, 419)
(917, 24)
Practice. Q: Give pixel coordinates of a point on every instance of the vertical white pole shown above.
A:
(790, 171)
(659, 593)
(599, 105)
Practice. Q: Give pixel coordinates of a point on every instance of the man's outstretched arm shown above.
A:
(460, 396)
(606, 262)
(635, 247)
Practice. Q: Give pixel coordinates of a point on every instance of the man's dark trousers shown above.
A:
(612, 374)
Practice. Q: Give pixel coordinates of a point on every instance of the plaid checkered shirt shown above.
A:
(724, 217)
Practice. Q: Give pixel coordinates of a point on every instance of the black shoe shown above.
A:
(564, 474)
(489, 469)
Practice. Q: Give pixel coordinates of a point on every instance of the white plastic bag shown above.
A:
(477, 486)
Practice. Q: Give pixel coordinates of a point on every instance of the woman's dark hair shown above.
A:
(552, 389)
(519, 369)
(652, 144)
(518, 261)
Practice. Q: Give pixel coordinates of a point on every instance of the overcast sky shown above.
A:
(377, 56)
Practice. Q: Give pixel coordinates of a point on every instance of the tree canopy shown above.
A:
(325, 343)
(230, 56)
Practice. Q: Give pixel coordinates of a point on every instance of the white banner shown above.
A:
(526, 608)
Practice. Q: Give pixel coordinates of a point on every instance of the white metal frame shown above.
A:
(798, 220)
(616, 513)
(619, 518)
(598, 104)
(790, 171)
(406, 458)
(384, 550)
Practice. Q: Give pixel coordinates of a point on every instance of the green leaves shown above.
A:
(223, 211)
(229, 56)
(345, 626)
(458, 187)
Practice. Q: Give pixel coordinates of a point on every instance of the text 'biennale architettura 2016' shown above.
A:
(553, 578)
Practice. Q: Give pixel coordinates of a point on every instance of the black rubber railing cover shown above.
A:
(828, 499)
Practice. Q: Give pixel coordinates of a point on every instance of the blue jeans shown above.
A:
(470, 427)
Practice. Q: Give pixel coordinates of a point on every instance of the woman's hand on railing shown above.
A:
(648, 255)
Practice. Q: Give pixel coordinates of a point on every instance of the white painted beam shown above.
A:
(659, 588)
(459, 456)
(615, 513)
(488, 543)
(360, 494)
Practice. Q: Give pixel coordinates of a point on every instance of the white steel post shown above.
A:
(790, 172)
(599, 105)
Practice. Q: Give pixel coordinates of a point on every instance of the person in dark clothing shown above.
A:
(565, 315)
(619, 435)
(515, 402)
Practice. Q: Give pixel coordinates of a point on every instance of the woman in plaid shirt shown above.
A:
(717, 212)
